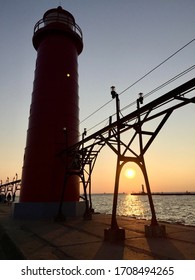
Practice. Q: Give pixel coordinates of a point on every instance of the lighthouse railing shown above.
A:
(67, 23)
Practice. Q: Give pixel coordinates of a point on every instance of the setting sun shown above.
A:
(130, 173)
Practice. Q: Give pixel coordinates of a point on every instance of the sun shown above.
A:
(130, 173)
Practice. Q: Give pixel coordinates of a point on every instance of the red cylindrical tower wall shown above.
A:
(54, 107)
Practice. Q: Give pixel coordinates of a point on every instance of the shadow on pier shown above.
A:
(84, 240)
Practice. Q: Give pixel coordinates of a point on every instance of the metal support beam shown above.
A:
(143, 166)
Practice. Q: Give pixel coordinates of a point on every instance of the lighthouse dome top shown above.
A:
(58, 14)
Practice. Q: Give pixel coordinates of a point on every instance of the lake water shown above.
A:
(173, 209)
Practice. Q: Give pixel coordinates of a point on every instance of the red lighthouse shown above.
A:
(54, 114)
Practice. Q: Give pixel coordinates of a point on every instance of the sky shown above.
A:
(123, 40)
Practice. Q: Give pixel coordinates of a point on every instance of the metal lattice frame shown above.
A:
(160, 109)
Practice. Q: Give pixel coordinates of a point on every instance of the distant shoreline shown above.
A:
(165, 193)
(153, 193)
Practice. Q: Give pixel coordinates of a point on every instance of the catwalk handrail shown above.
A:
(10, 183)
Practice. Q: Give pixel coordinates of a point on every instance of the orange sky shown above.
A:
(170, 161)
(109, 58)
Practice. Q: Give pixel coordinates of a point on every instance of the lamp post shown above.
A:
(114, 224)
(60, 215)
(114, 233)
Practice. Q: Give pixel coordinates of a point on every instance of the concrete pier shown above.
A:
(79, 239)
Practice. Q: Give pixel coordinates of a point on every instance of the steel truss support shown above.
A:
(122, 160)
(115, 140)
(81, 164)
(159, 109)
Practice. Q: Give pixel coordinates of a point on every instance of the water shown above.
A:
(173, 209)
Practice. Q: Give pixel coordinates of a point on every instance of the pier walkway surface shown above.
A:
(84, 240)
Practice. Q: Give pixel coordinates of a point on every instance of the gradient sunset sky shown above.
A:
(123, 40)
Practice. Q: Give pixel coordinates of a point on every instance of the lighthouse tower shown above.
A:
(54, 117)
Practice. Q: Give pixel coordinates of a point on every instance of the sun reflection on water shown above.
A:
(129, 205)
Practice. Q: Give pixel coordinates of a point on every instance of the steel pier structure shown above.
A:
(10, 187)
(83, 152)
